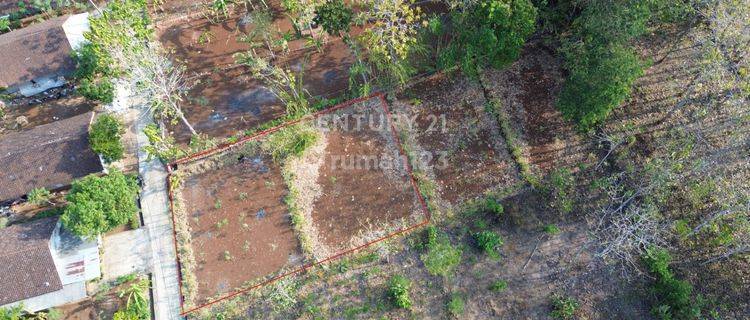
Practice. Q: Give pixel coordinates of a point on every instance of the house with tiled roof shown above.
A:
(38, 57)
(44, 265)
(49, 156)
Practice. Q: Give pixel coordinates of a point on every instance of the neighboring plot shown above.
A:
(454, 139)
(239, 226)
(241, 210)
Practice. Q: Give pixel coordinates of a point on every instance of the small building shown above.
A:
(44, 265)
(38, 57)
(48, 156)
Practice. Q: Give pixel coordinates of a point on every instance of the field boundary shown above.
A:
(227, 146)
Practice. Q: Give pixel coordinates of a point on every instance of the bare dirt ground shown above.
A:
(224, 99)
(240, 227)
(527, 90)
(450, 128)
(364, 184)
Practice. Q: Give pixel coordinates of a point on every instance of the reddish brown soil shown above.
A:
(238, 209)
(363, 197)
(450, 120)
(528, 92)
(225, 99)
(41, 110)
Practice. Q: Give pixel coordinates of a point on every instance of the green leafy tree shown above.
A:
(99, 204)
(601, 64)
(488, 32)
(334, 16)
(105, 137)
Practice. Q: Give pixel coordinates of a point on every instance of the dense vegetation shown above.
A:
(99, 204)
(105, 137)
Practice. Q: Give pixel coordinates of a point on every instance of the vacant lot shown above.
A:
(364, 184)
(455, 140)
(224, 99)
(239, 226)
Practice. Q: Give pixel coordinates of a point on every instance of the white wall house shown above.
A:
(45, 265)
(37, 58)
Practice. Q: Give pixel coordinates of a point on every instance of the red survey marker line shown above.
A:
(303, 268)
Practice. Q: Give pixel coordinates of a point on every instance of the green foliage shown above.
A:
(441, 258)
(489, 242)
(551, 229)
(490, 32)
(563, 307)
(12, 313)
(105, 137)
(561, 188)
(398, 290)
(101, 89)
(601, 64)
(494, 207)
(39, 196)
(99, 204)
(137, 305)
(499, 286)
(290, 141)
(334, 16)
(674, 297)
(122, 25)
(163, 148)
(456, 305)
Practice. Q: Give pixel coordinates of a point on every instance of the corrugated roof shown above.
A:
(49, 156)
(26, 260)
(39, 50)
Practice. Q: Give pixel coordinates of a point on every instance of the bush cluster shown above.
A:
(105, 137)
(489, 242)
(398, 290)
(674, 297)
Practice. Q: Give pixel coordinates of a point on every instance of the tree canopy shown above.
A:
(99, 204)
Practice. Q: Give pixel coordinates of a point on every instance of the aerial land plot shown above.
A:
(453, 139)
(526, 92)
(224, 99)
(302, 194)
(354, 184)
(238, 226)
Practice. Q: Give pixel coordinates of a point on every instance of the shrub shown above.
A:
(39, 196)
(456, 305)
(489, 242)
(99, 204)
(100, 89)
(12, 313)
(290, 141)
(674, 297)
(490, 32)
(105, 137)
(563, 307)
(494, 207)
(398, 290)
(441, 258)
(334, 17)
(551, 229)
(601, 64)
(499, 286)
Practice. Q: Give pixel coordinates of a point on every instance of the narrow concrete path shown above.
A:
(158, 224)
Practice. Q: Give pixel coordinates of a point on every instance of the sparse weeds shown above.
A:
(290, 141)
(441, 258)
(499, 286)
(489, 242)
(511, 139)
(561, 188)
(563, 307)
(456, 305)
(398, 290)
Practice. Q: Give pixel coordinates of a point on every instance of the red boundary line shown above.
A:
(226, 146)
